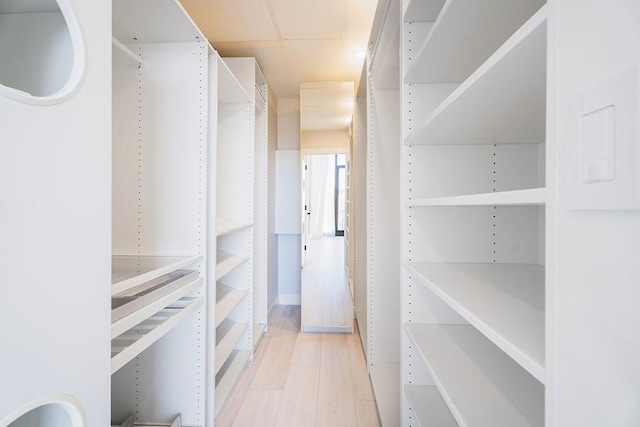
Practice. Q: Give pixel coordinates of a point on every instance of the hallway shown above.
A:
(295, 379)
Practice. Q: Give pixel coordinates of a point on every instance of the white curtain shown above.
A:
(321, 186)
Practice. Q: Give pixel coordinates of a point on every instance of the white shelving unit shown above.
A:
(159, 208)
(474, 130)
(378, 215)
(232, 242)
(252, 80)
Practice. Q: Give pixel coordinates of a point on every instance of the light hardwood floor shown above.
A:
(326, 299)
(296, 379)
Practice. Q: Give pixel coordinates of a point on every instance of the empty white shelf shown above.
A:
(481, 385)
(227, 262)
(503, 101)
(227, 298)
(139, 296)
(230, 91)
(228, 376)
(463, 36)
(528, 197)
(178, 289)
(177, 422)
(228, 335)
(226, 226)
(129, 345)
(128, 271)
(429, 409)
(503, 301)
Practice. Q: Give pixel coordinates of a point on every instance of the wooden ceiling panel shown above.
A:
(225, 21)
(310, 19)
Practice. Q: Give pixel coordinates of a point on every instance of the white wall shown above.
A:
(289, 244)
(288, 124)
(593, 268)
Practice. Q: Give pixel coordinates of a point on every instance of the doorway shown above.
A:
(326, 299)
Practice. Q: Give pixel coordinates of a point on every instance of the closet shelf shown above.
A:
(128, 271)
(473, 30)
(227, 262)
(228, 334)
(177, 422)
(135, 298)
(226, 226)
(429, 409)
(481, 385)
(129, 345)
(227, 298)
(228, 376)
(503, 101)
(528, 197)
(505, 302)
(176, 290)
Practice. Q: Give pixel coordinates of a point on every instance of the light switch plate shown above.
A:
(606, 175)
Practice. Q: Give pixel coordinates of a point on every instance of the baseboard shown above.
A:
(289, 299)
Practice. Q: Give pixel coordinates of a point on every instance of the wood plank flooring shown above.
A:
(327, 305)
(303, 380)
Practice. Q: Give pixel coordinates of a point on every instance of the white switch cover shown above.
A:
(607, 173)
(597, 145)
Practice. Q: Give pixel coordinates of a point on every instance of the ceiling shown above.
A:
(326, 106)
(294, 41)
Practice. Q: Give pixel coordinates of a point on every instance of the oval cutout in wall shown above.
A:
(41, 50)
(48, 411)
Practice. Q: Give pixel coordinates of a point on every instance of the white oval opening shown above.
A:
(41, 50)
(49, 411)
